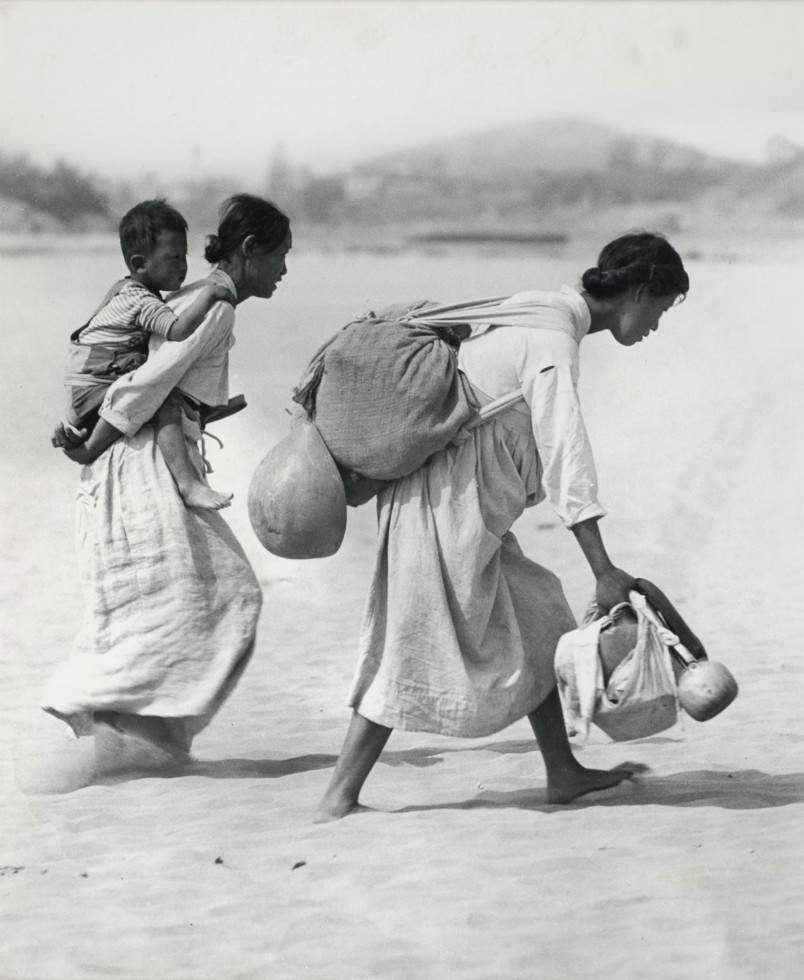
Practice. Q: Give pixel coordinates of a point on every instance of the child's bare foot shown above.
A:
(204, 497)
(570, 785)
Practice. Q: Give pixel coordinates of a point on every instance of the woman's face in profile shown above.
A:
(266, 269)
(639, 316)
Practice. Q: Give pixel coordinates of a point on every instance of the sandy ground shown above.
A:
(462, 869)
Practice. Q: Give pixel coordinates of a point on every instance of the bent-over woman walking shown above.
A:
(460, 628)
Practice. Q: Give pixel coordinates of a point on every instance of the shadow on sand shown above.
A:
(259, 768)
(747, 789)
(276, 768)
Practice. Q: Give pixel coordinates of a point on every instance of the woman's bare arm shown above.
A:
(612, 583)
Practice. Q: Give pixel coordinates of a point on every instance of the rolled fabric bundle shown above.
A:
(387, 396)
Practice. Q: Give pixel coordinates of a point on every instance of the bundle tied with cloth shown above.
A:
(378, 399)
(629, 672)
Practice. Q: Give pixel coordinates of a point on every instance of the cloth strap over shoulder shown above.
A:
(509, 311)
(519, 310)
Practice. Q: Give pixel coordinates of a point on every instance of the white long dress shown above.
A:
(171, 601)
(461, 627)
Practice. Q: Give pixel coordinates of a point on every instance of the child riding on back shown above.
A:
(114, 341)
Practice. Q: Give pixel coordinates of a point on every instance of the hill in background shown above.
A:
(558, 175)
(552, 177)
(556, 146)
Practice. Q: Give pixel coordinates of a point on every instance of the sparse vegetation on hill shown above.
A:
(60, 196)
(549, 176)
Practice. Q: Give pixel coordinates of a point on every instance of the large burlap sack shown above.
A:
(385, 395)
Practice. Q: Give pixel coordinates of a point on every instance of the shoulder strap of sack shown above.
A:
(492, 409)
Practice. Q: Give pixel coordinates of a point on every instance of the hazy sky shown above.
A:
(190, 87)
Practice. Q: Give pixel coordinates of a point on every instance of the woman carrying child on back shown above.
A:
(171, 600)
(460, 628)
(115, 340)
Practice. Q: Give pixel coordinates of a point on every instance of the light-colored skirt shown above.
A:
(171, 601)
(460, 628)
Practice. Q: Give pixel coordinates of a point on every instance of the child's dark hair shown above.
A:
(140, 227)
(639, 259)
(241, 216)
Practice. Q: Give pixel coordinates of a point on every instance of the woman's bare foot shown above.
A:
(363, 744)
(335, 808)
(572, 784)
(204, 497)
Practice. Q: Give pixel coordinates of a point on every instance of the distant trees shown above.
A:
(319, 200)
(62, 191)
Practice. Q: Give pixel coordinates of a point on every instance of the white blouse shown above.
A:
(543, 360)
(197, 366)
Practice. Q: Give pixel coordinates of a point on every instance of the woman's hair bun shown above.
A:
(592, 279)
(641, 258)
(213, 252)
